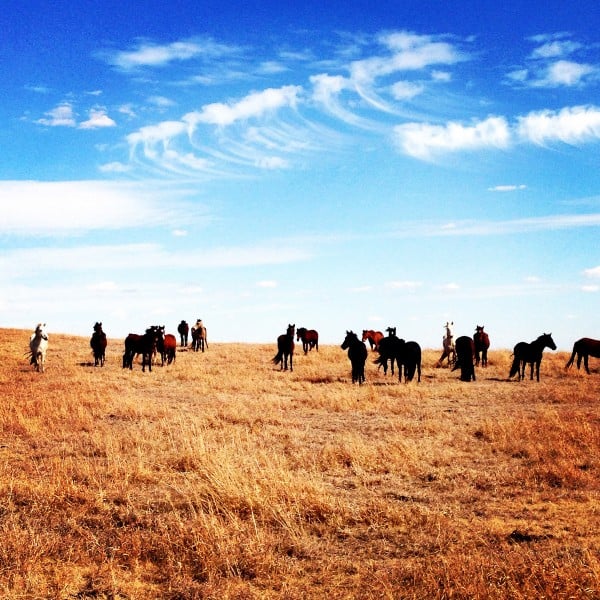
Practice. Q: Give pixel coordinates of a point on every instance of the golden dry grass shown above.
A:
(221, 477)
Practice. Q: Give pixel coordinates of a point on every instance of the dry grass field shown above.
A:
(221, 477)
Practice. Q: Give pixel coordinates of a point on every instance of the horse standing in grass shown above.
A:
(409, 357)
(482, 343)
(183, 329)
(199, 338)
(373, 337)
(357, 353)
(285, 349)
(465, 356)
(98, 344)
(449, 351)
(309, 337)
(584, 348)
(388, 350)
(167, 348)
(141, 344)
(38, 346)
(530, 353)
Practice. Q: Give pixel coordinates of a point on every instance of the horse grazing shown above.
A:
(465, 356)
(141, 344)
(183, 330)
(38, 346)
(482, 343)
(309, 337)
(530, 353)
(373, 337)
(167, 347)
(357, 353)
(449, 350)
(285, 349)
(584, 348)
(199, 339)
(98, 344)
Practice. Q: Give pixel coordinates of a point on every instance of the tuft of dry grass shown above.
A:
(220, 476)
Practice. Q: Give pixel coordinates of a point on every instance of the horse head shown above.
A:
(391, 331)
(548, 341)
(350, 336)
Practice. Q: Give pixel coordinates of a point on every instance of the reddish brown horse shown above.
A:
(309, 337)
(482, 343)
(167, 347)
(141, 344)
(98, 344)
(584, 348)
(373, 337)
(285, 349)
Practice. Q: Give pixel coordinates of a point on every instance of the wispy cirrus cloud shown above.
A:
(56, 208)
(149, 54)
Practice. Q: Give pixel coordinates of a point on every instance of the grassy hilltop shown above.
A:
(221, 477)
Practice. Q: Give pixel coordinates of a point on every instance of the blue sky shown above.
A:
(333, 165)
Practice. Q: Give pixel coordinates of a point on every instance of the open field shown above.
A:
(221, 477)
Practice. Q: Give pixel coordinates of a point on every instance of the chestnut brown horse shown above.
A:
(309, 337)
(373, 337)
(285, 349)
(584, 348)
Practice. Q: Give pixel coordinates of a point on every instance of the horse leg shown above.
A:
(585, 363)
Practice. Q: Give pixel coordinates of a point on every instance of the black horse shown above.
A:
(482, 343)
(309, 337)
(584, 348)
(141, 344)
(357, 353)
(409, 357)
(98, 344)
(183, 329)
(530, 353)
(285, 349)
(465, 356)
(388, 351)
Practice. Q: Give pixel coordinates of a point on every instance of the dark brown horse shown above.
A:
(183, 329)
(530, 353)
(482, 343)
(584, 348)
(98, 344)
(373, 337)
(309, 337)
(465, 356)
(285, 349)
(388, 349)
(141, 344)
(357, 353)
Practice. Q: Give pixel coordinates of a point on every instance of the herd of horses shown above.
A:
(464, 353)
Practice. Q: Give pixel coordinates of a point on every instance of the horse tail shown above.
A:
(570, 362)
(277, 358)
(514, 369)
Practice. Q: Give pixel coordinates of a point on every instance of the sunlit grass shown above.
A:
(220, 476)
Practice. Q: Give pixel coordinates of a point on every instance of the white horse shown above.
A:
(449, 351)
(38, 345)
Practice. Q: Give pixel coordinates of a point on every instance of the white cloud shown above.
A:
(590, 288)
(72, 207)
(114, 167)
(555, 49)
(60, 116)
(98, 118)
(253, 105)
(564, 72)
(404, 285)
(594, 272)
(507, 188)
(571, 125)
(154, 55)
(405, 90)
(266, 284)
(424, 141)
